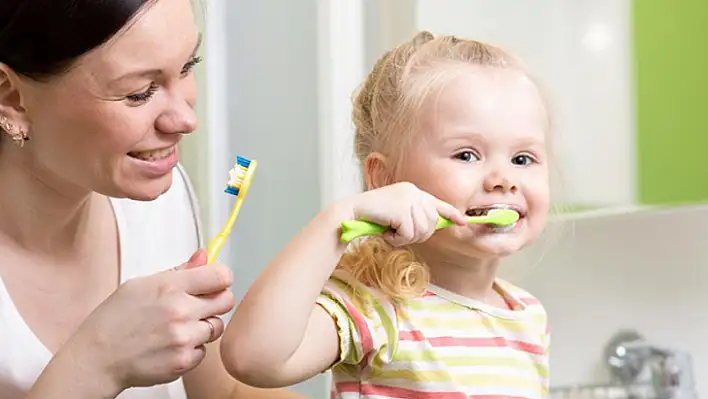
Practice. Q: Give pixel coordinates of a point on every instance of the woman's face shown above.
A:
(112, 123)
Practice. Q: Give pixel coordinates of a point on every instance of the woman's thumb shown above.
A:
(198, 258)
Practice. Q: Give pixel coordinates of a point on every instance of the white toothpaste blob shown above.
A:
(236, 176)
(503, 229)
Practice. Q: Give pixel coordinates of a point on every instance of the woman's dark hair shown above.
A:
(43, 38)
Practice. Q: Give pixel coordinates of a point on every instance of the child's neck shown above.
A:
(472, 278)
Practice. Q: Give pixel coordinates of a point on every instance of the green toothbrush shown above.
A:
(352, 229)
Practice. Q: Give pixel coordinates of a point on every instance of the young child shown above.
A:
(444, 126)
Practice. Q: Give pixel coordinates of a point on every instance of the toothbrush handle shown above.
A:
(215, 244)
(214, 247)
(352, 229)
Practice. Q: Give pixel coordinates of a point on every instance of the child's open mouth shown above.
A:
(484, 210)
(481, 211)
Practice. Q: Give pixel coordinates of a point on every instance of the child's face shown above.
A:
(482, 143)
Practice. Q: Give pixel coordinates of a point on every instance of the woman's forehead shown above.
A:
(164, 35)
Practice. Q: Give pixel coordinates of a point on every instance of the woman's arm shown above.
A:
(70, 375)
(158, 343)
(277, 335)
(210, 380)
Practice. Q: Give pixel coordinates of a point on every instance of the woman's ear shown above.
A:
(377, 171)
(11, 102)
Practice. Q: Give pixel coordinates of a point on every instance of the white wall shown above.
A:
(645, 270)
(263, 93)
(277, 87)
(341, 69)
(193, 149)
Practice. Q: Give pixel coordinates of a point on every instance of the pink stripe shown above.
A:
(367, 343)
(394, 392)
(472, 342)
(496, 397)
(530, 301)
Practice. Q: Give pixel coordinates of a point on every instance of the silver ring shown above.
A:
(212, 329)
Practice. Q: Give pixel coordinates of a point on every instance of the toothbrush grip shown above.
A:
(352, 229)
(214, 247)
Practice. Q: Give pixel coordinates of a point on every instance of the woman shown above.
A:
(95, 214)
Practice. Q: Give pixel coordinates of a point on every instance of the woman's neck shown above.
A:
(38, 211)
(471, 278)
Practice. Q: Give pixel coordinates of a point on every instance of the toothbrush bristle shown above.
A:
(237, 174)
(245, 162)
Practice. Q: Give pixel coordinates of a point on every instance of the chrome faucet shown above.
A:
(670, 372)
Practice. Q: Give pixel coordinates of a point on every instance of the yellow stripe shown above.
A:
(469, 380)
(422, 356)
(433, 313)
(470, 325)
(378, 323)
(439, 305)
(347, 291)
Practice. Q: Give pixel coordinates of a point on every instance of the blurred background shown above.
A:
(628, 82)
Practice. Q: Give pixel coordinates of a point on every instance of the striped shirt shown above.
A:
(439, 345)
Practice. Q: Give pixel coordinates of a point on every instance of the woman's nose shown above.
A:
(179, 115)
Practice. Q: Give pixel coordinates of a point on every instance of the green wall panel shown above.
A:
(671, 66)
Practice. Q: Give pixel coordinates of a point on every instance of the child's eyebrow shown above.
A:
(532, 141)
(462, 136)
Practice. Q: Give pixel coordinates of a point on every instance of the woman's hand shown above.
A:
(412, 213)
(153, 329)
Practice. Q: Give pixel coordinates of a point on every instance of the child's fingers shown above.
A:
(424, 223)
(403, 234)
(450, 212)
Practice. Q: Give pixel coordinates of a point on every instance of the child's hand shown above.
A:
(412, 213)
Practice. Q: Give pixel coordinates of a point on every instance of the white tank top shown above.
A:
(154, 236)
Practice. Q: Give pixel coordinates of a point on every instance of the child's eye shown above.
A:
(522, 160)
(467, 156)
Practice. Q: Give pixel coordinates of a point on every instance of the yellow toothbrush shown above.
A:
(240, 179)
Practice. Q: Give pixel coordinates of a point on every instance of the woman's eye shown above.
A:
(467, 156)
(190, 65)
(142, 97)
(522, 160)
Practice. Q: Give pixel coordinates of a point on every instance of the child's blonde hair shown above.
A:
(384, 114)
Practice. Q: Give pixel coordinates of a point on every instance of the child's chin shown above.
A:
(497, 245)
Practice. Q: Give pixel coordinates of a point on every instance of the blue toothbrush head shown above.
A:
(240, 176)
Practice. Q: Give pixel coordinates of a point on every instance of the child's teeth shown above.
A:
(476, 212)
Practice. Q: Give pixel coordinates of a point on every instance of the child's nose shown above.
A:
(496, 181)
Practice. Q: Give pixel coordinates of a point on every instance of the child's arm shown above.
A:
(284, 332)
(277, 335)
